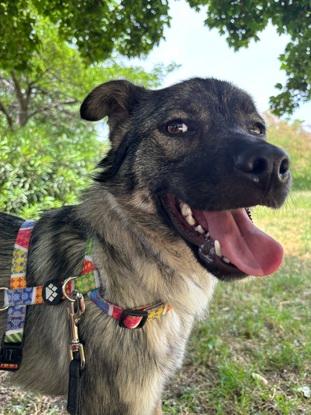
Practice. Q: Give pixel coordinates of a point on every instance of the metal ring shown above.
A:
(6, 307)
(64, 289)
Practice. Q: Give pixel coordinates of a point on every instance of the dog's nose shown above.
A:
(264, 163)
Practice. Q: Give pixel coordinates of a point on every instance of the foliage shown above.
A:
(57, 80)
(243, 22)
(46, 153)
(297, 142)
(97, 28)
(42, 167)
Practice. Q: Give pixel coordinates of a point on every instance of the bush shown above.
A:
(297, 142)
(42, 167)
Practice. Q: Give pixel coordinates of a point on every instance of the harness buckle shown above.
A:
(125, 319)
(10, 356)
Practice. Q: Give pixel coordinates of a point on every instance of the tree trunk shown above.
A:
(9, 119)
(23, 101)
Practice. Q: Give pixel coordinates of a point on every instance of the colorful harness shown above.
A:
(19, 296)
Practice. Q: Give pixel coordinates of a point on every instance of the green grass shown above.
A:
(258, 327)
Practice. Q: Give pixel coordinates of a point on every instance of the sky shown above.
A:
(205, 53)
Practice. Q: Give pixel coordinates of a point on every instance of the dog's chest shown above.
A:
(168, 337)
(168, 340)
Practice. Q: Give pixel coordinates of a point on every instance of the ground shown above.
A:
(252, 354)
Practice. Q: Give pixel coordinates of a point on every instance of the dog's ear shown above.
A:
(114, 99)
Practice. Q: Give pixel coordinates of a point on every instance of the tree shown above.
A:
(56, 81)
(98, 28)
(243, 21)
(46, 152)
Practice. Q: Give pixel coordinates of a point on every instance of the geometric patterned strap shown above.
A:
(20, 254)
(129, 318)
(23, 296)
(16, 314)
(87, 281)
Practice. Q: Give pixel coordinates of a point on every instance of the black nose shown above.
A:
(261, 163)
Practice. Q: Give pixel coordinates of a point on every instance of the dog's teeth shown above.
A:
(190, 219)
(186, 210)
(199, 229)
(217, 248)
(207, 235)
(225, 259)
(187, 213)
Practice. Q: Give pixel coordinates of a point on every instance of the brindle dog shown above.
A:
(168, 216)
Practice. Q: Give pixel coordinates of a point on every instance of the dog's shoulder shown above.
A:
(57, 245)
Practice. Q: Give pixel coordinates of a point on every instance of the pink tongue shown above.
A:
(247, 247)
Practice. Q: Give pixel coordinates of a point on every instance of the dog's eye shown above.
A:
(257, 129)
(176, 127)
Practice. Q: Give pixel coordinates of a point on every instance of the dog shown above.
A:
(168, 216)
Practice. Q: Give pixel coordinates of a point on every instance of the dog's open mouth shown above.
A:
(226, 242)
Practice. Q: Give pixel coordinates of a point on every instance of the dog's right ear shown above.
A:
(114, 99)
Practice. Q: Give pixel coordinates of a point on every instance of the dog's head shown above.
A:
(195, 153)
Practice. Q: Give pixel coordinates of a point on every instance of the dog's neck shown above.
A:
(140, 260)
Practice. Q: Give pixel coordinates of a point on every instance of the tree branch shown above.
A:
(52, 106)
(23, 107)
(39, 77)
(7, 115)
(28, 94)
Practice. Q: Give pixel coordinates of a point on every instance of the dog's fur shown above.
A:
(141, 258)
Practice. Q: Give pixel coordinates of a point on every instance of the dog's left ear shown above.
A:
(114, 99)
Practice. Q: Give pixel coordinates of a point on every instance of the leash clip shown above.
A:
(75, 310)
(76, 307)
